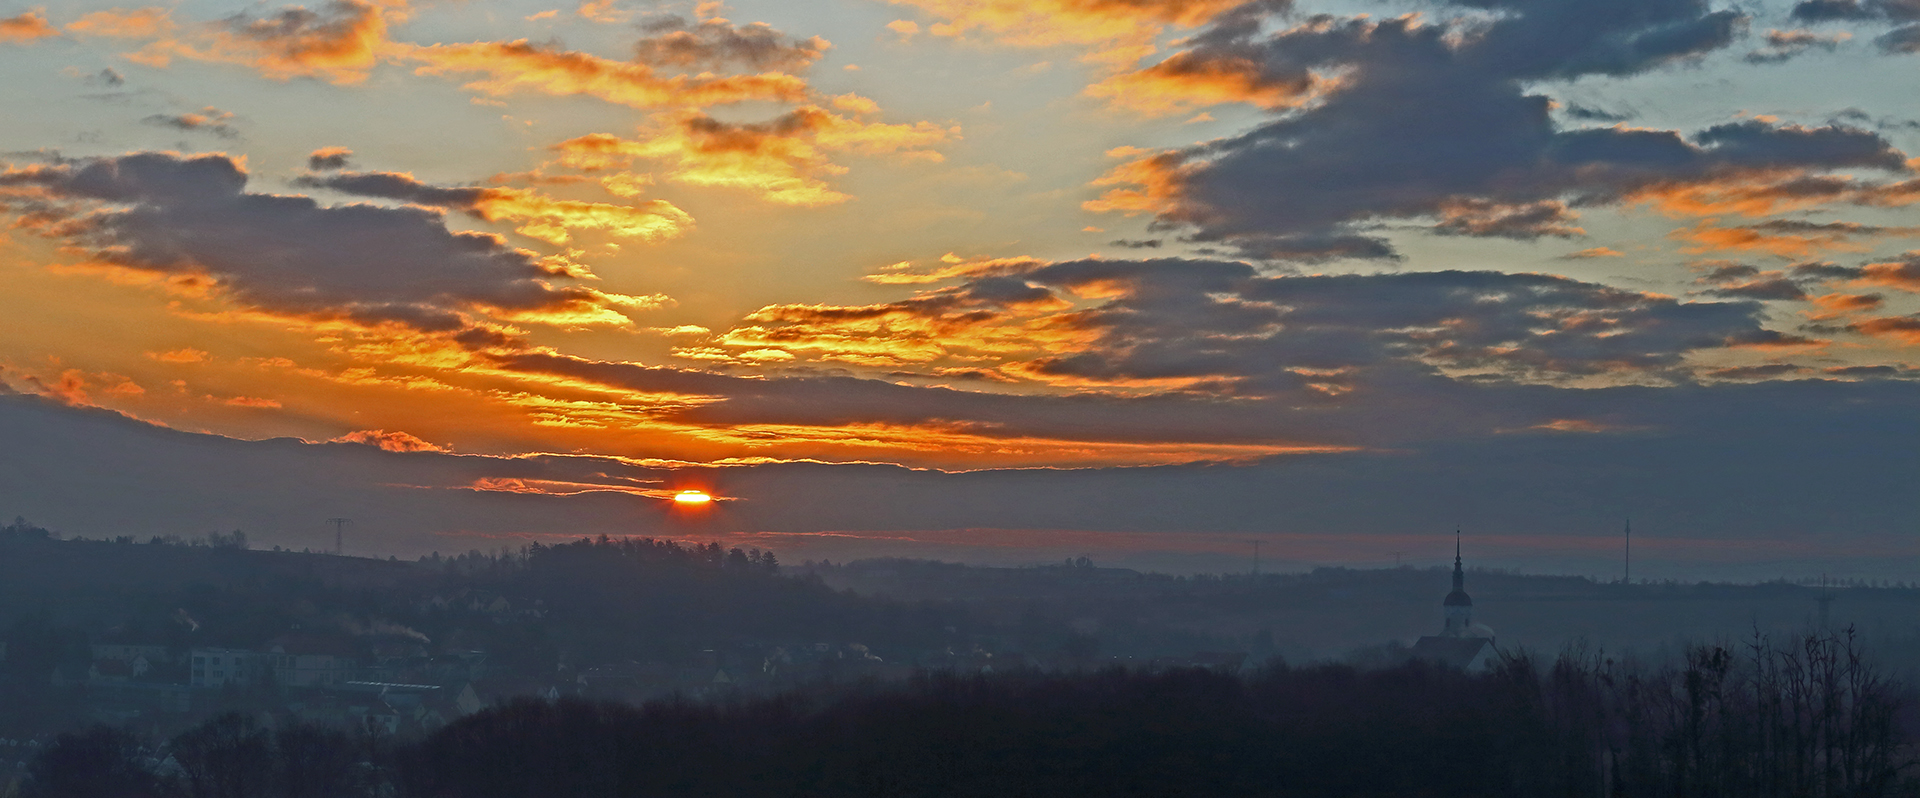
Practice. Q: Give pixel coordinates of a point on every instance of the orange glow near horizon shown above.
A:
(692, 498)
(735, 247)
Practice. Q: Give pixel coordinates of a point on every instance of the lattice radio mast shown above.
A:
(339, 534)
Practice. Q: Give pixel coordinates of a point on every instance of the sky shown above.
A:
(987, 280)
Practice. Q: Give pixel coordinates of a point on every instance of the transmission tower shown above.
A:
(339, 534)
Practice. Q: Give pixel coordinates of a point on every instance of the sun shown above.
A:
(692, 497)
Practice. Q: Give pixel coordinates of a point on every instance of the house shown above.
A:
(120, 661)
(413, 707)
(221, 667)
(375, 715)
(468, 701)
(114, 670)
(128, 652)
(312, 660)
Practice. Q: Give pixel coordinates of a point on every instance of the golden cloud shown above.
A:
(1187, 80)
(340, 45)
(550, 487)
(783, 161)
(188, 355)
(511, 67)
(1117, 31)
(395, 441)
(126, 23)
(27, 27)
(550, 220)
(251, 401)
(602, 11)
(969, 444)
(944, 326)
(537, 215)
(1148, 183)
(901, 273)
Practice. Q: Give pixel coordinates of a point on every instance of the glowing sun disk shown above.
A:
(691, 497)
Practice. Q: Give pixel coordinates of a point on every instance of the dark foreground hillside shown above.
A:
(1808, 718)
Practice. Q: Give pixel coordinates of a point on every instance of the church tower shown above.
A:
(1458, 606)
(1462, 643)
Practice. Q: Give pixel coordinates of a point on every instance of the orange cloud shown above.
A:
(1188, 80)
(125, 23)
(27, 27)
(594, 308)
(1804, 241)
(1757, 193)
(340, 45)
(969, 444)
(597, 152)
(1905, 329)
(70, 388)
(538, 215)
(1779, 343)
(938, 326)
(1831, 306)
(517, 66)
(180, 356)
(395, 441)
(899, 274)
(1594, 252)
(251, 401)
(1149, 183)
(602, 11)
(76, 387)
(550, 220)
(551, 487)
(784, 161)
(1572, 425)
(1117, 31)
(126, 387)
(1904, 275)
(329, 158)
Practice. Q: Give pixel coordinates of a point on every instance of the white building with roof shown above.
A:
(220, 667)
(1461, 643)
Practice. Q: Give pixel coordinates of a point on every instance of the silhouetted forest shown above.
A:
(1805, 718)
(603, 667)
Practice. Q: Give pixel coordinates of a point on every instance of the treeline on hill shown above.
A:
(540, 614)
(1811, 719)
(593, 599)
(611, 599)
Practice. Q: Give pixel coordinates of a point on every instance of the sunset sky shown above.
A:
(997, 280)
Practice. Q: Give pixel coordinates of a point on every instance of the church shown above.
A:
(1461, 643)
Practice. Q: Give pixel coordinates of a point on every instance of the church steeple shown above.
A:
(1459, 575)
(1458, 607)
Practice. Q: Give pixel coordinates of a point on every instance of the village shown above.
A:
(394, 683)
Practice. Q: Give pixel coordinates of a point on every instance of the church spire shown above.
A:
(1459, 574)
(1458, 606)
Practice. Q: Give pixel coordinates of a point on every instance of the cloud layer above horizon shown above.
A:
(1235, 238)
